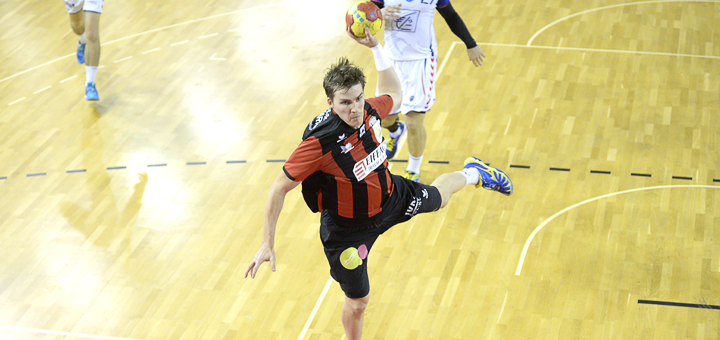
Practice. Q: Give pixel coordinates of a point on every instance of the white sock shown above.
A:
(90, 72)
(82, 38)
(414, 164)
(472, 175)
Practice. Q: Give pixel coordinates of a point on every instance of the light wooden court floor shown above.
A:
(135, 217)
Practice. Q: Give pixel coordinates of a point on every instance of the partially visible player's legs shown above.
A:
(353, 311)
(92, 53)
(416, 144)
(77, 22)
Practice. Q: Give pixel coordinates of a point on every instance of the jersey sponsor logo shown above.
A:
(364, 167)
(347, 147)
(341, 138)
(319, 119)
(407, 22)
(413, 207)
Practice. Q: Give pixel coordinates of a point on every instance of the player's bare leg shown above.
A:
(416, 144)
(353, 311)
(448, 184)
(92, 53)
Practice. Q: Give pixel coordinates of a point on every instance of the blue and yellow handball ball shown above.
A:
(363, 14)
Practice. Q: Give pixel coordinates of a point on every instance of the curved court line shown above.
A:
(148, 32)
(529, 43)
(529, 240)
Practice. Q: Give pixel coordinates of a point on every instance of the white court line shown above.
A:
(153, 50)
(603, 8)
(315, 309)
(180, 43)
(66, 79)
(42, 89)
(213, 57)
(527, 243)
(42, 331)
(123, 59)
(580, 49)
(148, 32)
(208, 36)
(16, 101)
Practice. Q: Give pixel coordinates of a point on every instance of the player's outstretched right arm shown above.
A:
(388, 81)
(276, 198)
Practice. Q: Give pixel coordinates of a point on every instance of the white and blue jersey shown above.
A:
(412, 35)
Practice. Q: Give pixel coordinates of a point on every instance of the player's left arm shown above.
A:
(458, 27)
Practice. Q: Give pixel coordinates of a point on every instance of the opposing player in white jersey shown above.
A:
(85, 22)
(411, 45)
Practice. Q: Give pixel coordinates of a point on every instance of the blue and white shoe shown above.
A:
(412, 176)
(91, 92)
(81, 53)
(393, 142)
(490, 178)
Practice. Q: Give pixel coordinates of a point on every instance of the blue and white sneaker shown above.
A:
(490, 178)
(91, 92)
(81, 53)
(393, 142)
(412, 176)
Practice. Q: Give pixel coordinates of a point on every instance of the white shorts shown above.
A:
(74, 6)
(417, 78)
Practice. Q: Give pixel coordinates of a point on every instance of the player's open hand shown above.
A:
(264, 254)
(368, 41)
(476, 55)
(390, 13)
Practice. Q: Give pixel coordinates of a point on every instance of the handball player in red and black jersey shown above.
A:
(342, 165)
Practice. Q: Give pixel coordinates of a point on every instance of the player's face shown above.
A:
(349, 104)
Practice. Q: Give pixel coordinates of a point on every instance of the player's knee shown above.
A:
(92, 35)
(357, 306)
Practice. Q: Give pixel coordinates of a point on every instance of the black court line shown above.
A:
(37, 174)
(275, 160)
(196, 163)
(399, 160)
(438, 162)
(156, 165)
(559, 169)
(116, 167)
(714, 180)
(234, 162)
(677, 304)
(600, 172)
(5, 177)
(520, 166)
(681, 177)
(75, 171)
(641, 175)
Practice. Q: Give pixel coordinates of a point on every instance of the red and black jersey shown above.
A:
(344, 170)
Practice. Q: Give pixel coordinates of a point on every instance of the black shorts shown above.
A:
(347, 249)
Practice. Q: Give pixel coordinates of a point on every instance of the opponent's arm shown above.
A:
(457, 26)
(276, 198)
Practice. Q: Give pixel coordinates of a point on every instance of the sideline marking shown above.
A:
(532, 235)
(677, 304)
(529, 43)
(580, 49)
(150, 51)
(66, 79)
(77, 335)
(315, 309)
(123, 59)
